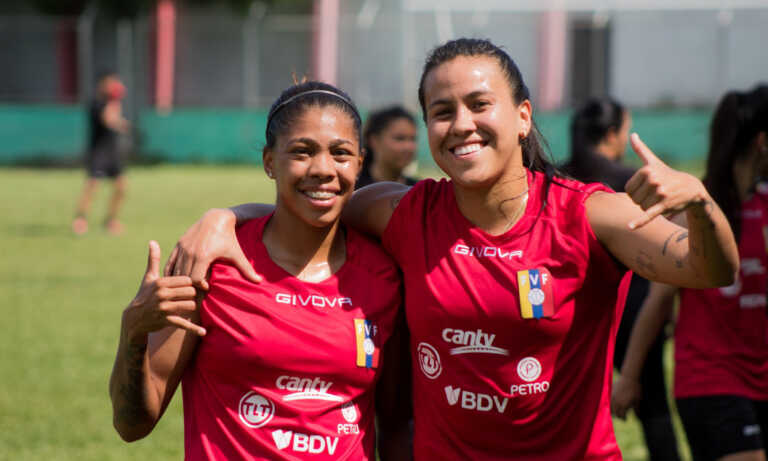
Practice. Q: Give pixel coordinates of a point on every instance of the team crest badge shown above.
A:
(367, 351)
(535, 288)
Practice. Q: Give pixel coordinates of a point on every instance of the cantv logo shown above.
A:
(304, 443)
(486, 252)
(473, 342)
(312, 300)
(306, 389)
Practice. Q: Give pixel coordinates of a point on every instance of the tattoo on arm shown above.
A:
(645, 262)
(132, 410)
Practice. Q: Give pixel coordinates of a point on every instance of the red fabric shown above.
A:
(721, 342)
(528, 389)
(267, 343)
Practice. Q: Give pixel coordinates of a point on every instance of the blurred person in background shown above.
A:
(102, 159)
(287, 367)
(514, 276)
(721, 334)
(389, 138)
(599, 138)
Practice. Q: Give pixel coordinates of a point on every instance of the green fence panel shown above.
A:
(237, 135)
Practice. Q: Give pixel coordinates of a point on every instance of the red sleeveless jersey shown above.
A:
(721, 342)
(287, 369)
(511, 335)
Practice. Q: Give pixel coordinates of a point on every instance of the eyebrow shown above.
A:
(471, 95)
(312, 142)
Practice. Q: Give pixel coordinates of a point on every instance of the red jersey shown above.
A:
(721, 346)
(511, 335)
(287, 368)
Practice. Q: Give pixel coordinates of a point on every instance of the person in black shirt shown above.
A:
(105, 121)
(599, 136)
(389, 138)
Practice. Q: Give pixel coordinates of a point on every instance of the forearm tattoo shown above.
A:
(645, 263)
(132, 408)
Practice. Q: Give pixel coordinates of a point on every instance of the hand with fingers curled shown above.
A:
(161, 302)
(661, 190)
(212, 237)
(625, 394)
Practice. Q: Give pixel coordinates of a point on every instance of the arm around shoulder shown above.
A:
(371, 207)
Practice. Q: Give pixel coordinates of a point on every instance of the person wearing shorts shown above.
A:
(102, 159)
(721, 334)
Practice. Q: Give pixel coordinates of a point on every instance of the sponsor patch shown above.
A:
(367, 351)
(429, 360)
(535, 288)
(255, 410)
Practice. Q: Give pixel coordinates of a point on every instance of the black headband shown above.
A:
(344, 99)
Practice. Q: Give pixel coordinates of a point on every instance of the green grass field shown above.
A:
(63, 296)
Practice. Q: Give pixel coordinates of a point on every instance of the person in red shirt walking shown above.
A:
(721, 335)
(285, 368)
(514, 276)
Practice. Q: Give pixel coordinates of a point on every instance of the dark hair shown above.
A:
(376, 123)
(591, 123)
(738, 118)
(296, 99)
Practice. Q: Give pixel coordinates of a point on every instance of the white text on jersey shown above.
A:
(475, 400)
(306, 389)
(312, 300)
(304, 443)
(473, 342)
(486, 252)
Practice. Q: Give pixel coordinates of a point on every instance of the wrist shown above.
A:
(132, 334)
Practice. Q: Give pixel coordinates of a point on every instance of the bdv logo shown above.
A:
(475, 400)
(304, 443)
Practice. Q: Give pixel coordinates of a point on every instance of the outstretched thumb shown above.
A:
(153, 261)
(642, 151)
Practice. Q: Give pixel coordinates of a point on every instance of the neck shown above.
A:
(307, 252)
(382, 172)
(604, 150)
(495, 209)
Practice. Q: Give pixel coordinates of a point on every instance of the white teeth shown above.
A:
(468, 149)
(319, 194)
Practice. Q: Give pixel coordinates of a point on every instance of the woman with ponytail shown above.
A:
(514, 275)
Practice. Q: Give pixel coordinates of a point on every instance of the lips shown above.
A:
(467, 148)
(320, 194)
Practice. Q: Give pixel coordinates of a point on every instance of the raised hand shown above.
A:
(659, 189)
(212, 237)
(161, 301)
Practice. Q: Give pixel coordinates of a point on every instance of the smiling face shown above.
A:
(314, 164)
(395, 145)
(473, 124)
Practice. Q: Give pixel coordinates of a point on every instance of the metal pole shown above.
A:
(85, 55)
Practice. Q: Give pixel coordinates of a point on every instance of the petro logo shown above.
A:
(255, 410)
(429, 360)
(529, 369)
(349, 412)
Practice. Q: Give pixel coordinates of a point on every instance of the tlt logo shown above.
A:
(304, 443)
(475, 400)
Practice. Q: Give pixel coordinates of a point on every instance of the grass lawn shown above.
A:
(63, 296)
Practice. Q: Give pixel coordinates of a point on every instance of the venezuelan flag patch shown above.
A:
(367, 352)
(535, 288)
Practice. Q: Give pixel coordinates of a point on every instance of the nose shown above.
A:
(463, 122)
(322, 165)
